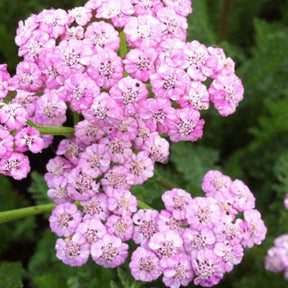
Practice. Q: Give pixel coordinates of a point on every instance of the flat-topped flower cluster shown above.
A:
(277, 256)
(125, 70)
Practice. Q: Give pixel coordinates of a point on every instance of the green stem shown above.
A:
(76, 117)
(143, 205)
(15, 214)
(123, 48)
(166, 183)
(223, 26)
(52, 130)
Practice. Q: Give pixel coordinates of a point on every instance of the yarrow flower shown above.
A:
(125, 70)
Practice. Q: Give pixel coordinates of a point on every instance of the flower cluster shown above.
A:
(125, 70)
(277, 257)
(199, 238)
(16, 137)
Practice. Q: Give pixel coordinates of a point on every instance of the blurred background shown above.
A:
(251, 145)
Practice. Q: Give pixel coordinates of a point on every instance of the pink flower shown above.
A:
(119, 226)
(157, 148)
(4, 77)
(16, 165)
(170, 83)
(187, 125)
(165, 245)
(145, 221)
(177, 201)
(141, 166)
(13, 116)
(80, 15)
(92, 229)
(65, 219)
(102, 35)
(109, 252)
(95, 160)
(29, 139)
(226, 92)
(6, 142)
(144, 265)
(105, 68)
(140, 64)
(73, 251)
(178, 272)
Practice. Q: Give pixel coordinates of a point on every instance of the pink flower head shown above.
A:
(195, 240)
(141, 166)
(187, 126)
(80, 91)
(95, 160)
(128, 92)
(119, 226)
(208, 267)
(32, 48)
(143, 31)
(92, 229)
(197, 97)
(203, 212)
(166, 222)
(29, 77)
(157, 114)
(274, 259)
(231, 254)
(144, 265)
(142, 134)
(102, 35)
(93, 4)
(16, 166)
(166, 245)
(4, 77)
(122, 202)
(29, 138)
(13, 116)
(215, 183)
(51, 111)
(145, 221)
(174, 25)
(144, 7)
(57, 167)
(27, 100)
(69, 149)
(253, 228)
(181, 7)
(170, 83)
(196, 55)
(73, 251)
(177, 201)
(118, 147)
(242, 196)
(226, 92)
(6, 142)
(54, 22)
(80, 15)
(58, 191)
(65, 219)
(81, 186)
(96, 207)
(87, 133)
(140, 64)
(109, 252)
(117, 178)
(178, 272)
(105, 68)
(104, 111)
(157, 148)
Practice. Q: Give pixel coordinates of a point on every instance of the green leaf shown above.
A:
(126, 280)
(39, 188)
(11, 275)
(193, 162)
(200, 27)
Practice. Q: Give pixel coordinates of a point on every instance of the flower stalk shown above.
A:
(52, 130)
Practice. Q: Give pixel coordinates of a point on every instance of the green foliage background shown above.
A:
(251, 145)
